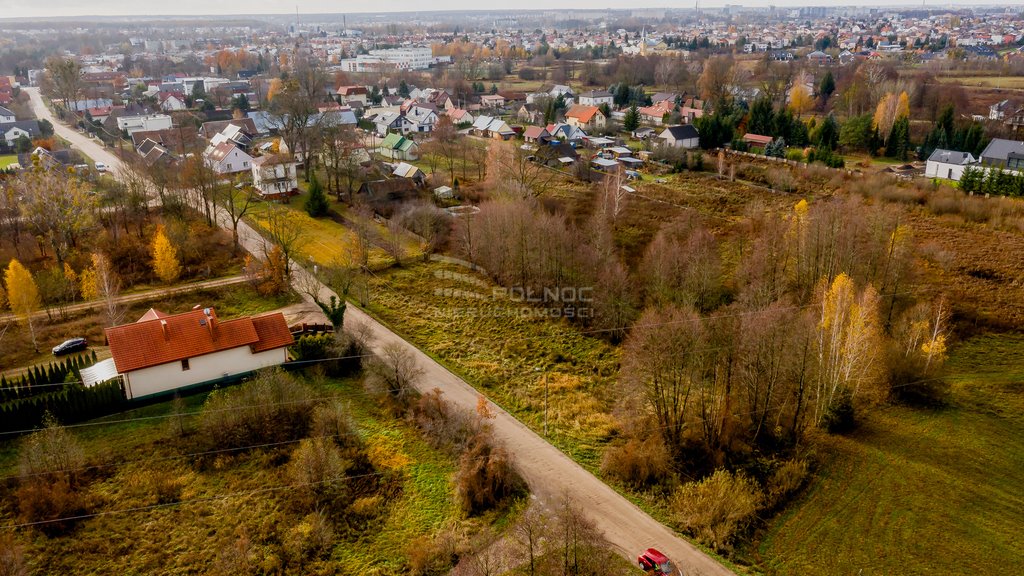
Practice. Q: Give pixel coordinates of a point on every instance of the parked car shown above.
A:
(70, 346)
(653, 562)
(101, 167)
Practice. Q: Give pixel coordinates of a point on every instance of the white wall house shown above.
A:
(133, 124)
(227, 158)
(162, 353)
(948, 164)
(596, 98)
(6, 116)
(275, 175)
(13, 131)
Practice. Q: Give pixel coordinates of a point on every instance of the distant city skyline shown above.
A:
(65, 8)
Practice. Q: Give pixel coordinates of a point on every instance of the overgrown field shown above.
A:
(232, 506)
(919, 492)
(508, 349)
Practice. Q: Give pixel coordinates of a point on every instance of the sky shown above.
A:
(23, 8)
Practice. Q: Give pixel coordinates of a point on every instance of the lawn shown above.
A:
(192, 535)
(8, 159)
(920, 491)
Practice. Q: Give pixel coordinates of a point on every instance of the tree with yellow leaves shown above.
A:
(87, 284)
(903, 106)
(23, 295)
(275, 88)
(848, 347)
(165, 258)
(800, 100)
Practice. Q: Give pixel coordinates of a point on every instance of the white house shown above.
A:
(684, 136)
(596, 98)
(948, 164)
(394, 122)
(161, 353)
(227, 158)
(13, 130)
(275, 175)
(133, 124)
(172, 103)
(6, 116)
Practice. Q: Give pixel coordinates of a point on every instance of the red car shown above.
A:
(655, 562)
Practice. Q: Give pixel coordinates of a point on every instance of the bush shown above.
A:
(272, 407)
(393, 374)
(796, 155)
(716, 509)
(840, 416)
(911, 384)
(442, 425)
(314, 347)
(12, 557)
(334, 421)
(311, 538)
(51, 453)
(785, 481)
(317, 469)
(638, 463)
(486, 478)
(47, 501)
(781, 179)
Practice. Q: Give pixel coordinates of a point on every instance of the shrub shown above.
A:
(638, 463)
(393, 374)
(51, 452)
(785, 481)
(716, 509)
(311, 538)
(318, 469)
(911, 384)
(156, 485)
(486, 478)
(12, 557)
(314, 347)
(840, 416)
(781, 179)
(47, 501)
(442, 425)
(272, 407)
(796, 155)
(334, 421)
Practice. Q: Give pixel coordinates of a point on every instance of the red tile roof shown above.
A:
(154, 341)
(582, 113)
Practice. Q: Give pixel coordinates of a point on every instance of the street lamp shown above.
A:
(544, 375)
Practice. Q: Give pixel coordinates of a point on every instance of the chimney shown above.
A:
(211, 322)
(163, 328)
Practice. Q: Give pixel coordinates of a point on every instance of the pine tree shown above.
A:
(165, 258)
(316, 202)
(827, 86)
(632, 120)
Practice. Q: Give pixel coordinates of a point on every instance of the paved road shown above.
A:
(548, 471)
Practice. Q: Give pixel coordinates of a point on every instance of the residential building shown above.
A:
(6, 116)
(12, 131)
(275, 176)
(1002, 153)
(162, 353)
(398, 147)
(587, 117)
(132, 124)
(490, 127)
(683, 136)
(947, 164)
(492, 101)
(596, 98)
(227, 158)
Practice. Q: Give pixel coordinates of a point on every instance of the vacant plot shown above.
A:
(8, 159)
(230, 507)
(1002, 82)
(510, 349)
(918, 491)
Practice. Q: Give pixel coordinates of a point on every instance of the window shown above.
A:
(184, 364)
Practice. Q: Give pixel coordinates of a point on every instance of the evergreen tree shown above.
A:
(762, 117)
(827, 86)
(898, 145)
(826, 135)
(403, 89)
(242, 103)
(632, 120)
(316, 203)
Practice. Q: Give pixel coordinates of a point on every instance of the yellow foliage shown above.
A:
(275, 88)
(800, 100)
(88, 284)
(903, 106)
(22, 292)
(165, 258)
(386, 454)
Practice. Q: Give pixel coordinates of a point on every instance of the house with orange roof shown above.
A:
(162, 353)
(585, 117)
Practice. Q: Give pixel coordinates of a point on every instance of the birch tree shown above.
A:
(23, 296)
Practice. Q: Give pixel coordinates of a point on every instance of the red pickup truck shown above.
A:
(654, 562)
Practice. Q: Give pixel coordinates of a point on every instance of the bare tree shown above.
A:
(284, 232)
(236, 202)
(65, 79)
(58, 208)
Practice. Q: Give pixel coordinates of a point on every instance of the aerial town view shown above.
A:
(546, 289)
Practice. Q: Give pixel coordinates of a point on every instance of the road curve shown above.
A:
(548, 471)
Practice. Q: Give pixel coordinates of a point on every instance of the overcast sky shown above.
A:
(26, 8)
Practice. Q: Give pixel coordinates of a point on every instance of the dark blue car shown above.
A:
(69, 346)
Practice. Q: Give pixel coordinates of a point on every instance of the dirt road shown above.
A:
(550, 473)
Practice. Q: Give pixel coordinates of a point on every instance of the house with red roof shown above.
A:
(161, 353)
(585, 117)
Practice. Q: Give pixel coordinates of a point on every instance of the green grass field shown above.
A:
(920, 491)
(8, 159)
